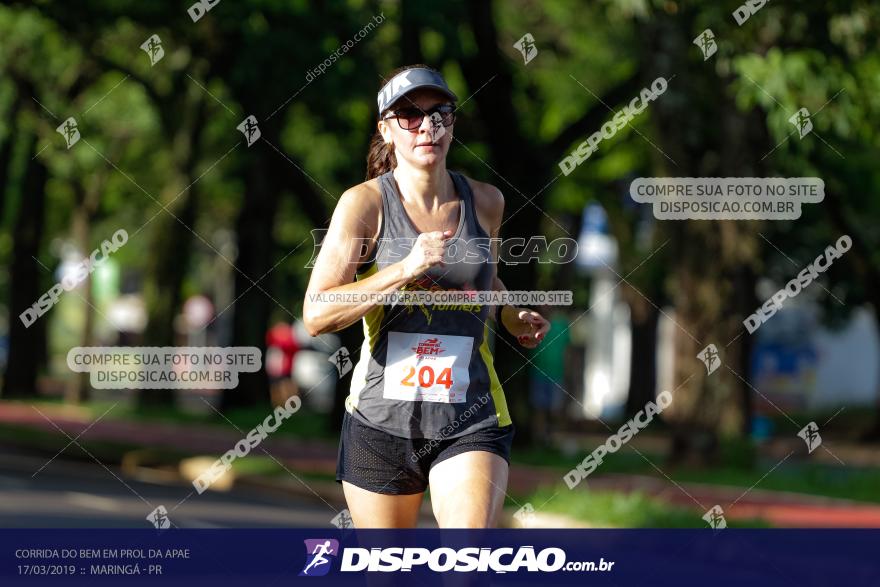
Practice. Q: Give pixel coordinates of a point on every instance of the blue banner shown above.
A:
(266, 558)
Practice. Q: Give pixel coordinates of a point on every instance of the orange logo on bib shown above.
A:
(428, 347)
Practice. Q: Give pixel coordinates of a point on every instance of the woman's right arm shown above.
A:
(337, 262)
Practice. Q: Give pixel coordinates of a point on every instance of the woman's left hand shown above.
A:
(526, 325)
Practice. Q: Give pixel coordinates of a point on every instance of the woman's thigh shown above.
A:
(467, 490)
(377, 510)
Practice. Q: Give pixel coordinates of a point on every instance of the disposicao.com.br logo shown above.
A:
(444, 559)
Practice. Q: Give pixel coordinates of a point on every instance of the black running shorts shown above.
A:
(383, 463)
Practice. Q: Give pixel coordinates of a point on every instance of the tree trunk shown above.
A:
(26, 344)
(6, 151)
(86, 202)
(519, 176)
(712, 276)
(867, 270)
(172, 236)
(256, 251)
(643, 372)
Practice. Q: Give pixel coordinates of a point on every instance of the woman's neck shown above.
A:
(424, 187)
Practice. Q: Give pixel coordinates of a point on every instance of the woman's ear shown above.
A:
(385, 131)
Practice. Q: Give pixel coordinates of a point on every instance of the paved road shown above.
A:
(82, 494)
(60, 499)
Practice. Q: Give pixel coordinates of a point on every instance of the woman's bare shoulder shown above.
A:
(362, 204)
(363, 195)
(488, 200)
(486, 194)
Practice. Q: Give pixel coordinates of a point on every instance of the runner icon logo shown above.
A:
(802, 122)
(70, 131)
(709, 356)
(526, 46)
(159, 518)
(250, 130)
(715, 518)
(153, 48)
(343, 520)
(810, 435)
(706, 43)
(525, 516)
(319, 553)
(437, 128)
(342, 360)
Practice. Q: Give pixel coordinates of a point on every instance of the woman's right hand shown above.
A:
(427, 251)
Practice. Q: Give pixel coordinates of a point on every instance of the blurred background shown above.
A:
(220, 236)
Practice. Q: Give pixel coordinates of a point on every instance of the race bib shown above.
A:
(427, 367)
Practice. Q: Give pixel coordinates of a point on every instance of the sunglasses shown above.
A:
(411, 118)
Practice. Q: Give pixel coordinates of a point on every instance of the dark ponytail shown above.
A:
(380, 158)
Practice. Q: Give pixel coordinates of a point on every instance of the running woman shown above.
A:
(426, 408)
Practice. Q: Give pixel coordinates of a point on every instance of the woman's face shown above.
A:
(426, 145)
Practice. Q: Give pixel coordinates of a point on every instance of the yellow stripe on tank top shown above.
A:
(372, 325)
(494, 386)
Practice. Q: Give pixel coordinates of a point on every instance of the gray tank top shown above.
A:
(426, 371)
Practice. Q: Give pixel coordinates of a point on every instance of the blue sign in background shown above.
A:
(267, 558)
